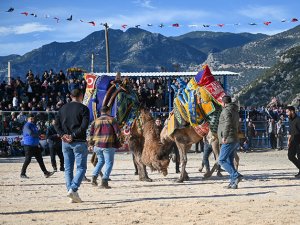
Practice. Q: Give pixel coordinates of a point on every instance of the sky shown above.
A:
(20, 34)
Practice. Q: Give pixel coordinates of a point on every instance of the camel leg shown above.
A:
(216, 150)
(236, 161)
(183, 159)
(143, 175)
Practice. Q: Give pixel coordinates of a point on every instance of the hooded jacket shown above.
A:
(229, 123)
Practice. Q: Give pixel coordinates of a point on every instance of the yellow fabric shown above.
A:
(181, 109)
(205, 96)
(208, 107)
(171, 124)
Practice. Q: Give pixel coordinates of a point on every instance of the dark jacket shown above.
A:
(73, 119)
(52, 138)
(229, 123)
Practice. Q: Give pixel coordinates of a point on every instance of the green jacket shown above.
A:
(229, 123)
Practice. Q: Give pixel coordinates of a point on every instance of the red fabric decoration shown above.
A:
(25, 13)
(204, 77)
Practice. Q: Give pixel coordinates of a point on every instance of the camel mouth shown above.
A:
(165, 173)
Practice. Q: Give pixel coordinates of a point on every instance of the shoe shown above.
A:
(104, 184)
(62, 169)
(48, 174)
(94, 181)
(136, 173)
(297, 175)
(74, 196)
(24, 176)
(231, 186)
(238, 179)
(54, 169)
(86, 179)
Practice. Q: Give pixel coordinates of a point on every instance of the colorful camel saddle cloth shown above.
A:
(199, 100)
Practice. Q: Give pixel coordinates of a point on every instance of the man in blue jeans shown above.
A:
(71, 124)
(228, 136)
(104, 140)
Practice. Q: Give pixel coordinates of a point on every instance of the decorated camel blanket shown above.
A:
(197, 103)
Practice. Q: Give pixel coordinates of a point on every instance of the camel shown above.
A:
(146, 146)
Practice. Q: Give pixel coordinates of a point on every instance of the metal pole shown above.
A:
(92, 63)
(107, 48)
(8, 73)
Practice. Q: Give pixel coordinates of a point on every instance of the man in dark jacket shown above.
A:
(228, 137)
(54, 143)
(72, 122)
(294, 138)
(31, 142)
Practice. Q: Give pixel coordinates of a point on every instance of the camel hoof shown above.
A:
(219, 174)
(179, 180)
(186, 178)
(207, 175)
(146, 179)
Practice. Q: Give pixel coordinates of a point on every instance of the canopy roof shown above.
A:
(166, 74)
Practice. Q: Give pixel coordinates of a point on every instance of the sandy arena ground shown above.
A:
(269, 195)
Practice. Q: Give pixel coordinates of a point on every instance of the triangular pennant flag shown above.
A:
(24, 13)
(93, 23)
(267, 23)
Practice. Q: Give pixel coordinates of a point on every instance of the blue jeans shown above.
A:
(207, 150)
(105, 156)
(74, 152)
(226, 158)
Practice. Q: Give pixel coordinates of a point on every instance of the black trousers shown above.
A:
(36, 152)
(273, 140)
(55, 149)
(293, 150)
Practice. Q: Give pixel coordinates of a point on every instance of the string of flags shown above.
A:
(161, 25)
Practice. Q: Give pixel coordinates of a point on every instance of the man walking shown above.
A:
(294, 138)
(228, 136)
(103, 139)
(54, 143)
(31, 142)
(280, 133)
(71, 124)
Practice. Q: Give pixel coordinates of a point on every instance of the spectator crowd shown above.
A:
(47, 93)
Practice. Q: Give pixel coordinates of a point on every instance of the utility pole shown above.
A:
(8, 73)
(107, 48)
(92, 63)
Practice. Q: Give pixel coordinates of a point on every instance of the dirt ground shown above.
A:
(269, 195)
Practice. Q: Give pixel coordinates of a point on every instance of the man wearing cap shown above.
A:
(228, 136)
(294, 138)
(72, 122)
(31, 142)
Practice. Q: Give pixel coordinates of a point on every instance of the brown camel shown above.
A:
(146, 146)
(184, 139)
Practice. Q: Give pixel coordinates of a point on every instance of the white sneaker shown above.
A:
(74, 196)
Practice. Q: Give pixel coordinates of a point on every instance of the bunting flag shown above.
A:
(57, 19)
(70, 18)
(161, 25)
(92, 22)
(10, 9)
